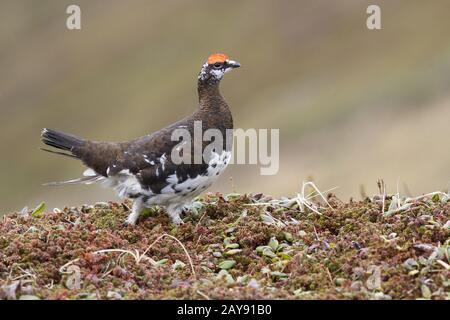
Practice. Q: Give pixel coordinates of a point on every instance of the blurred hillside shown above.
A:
(352, 105)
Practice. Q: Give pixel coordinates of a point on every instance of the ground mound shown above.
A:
(232, 247)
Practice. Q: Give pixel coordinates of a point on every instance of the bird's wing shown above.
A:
(149, 160)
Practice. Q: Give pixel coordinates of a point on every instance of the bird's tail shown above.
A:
(83, 180)
(71, 144)
(61, 140)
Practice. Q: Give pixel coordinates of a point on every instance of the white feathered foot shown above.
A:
(173, 212)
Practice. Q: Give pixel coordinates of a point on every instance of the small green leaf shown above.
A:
(178, 265)
(413, 272)
(38, 210)
(283, 246)
(426, 292)
(233, 252)
(147, 212)
(232, 246)
(273, 243)
(267, 251)
(265, 270)
(339, 281)
(161, 262)
(223, 274)
(206, 269)
(228, 240)
(288, 236)
(284, 256)
(435, 198)
(227, 264)
(260, 249)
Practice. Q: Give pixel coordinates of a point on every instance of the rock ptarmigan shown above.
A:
(143, 169)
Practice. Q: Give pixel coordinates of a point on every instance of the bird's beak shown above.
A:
(233, 64)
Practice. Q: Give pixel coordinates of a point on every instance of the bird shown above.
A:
(144, 169)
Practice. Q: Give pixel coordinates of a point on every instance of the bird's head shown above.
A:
(215, 67)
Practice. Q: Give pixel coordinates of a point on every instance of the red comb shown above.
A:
(218, 57)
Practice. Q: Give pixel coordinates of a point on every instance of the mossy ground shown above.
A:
(241, 246)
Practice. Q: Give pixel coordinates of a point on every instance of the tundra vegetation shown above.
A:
(250, 246)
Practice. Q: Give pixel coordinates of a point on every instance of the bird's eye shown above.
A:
(218, 65)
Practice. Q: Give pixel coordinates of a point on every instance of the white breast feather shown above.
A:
(126, 183)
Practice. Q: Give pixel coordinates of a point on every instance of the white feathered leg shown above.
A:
(138, 205)
(174, 212)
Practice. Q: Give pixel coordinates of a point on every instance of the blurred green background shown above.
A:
(352, 105)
